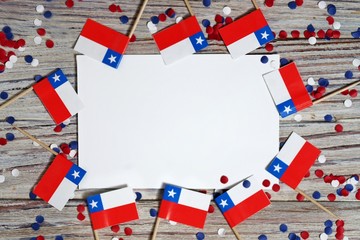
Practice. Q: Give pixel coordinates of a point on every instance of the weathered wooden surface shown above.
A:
(328, 59)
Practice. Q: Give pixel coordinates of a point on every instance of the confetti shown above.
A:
(15, 172)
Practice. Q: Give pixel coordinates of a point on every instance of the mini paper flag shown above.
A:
(294, 160)
(184, 206)
(111, 208)
(180, 40)
(102, 43)
(58, 96)
(242, 201)
(287, 90)
(59, 182)
(246, 34)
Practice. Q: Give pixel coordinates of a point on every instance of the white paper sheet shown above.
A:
(188, 124)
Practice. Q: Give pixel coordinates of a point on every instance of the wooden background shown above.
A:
(328, 58)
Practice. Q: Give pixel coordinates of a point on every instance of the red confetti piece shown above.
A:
(353, 93)
(3, 141)
(112, 8)
(300, 197)
(339, 128)
(228, 20)
(2, 67)
(319, 173)
(299, 3)
(268, 195)
(295, 33)
(336, 34)
(307, 174)
(276, 187)
(65, 148)
(115, 228)
(269, 3)
(330, 20)
(340, 230)
(128, 231)
(346, 92)
(80, 208)
(308, 34)
(282, 34)
(266, 183)
(49, 43)
(81, 217)
(211, 209)
(133, 38)
(269, 47)
(321, 33)
(162, 17)
(118, 8)
(170, 12)
(41, 31)
(58, 128)
(218, 18)
(357, 195)
(305, 234)
(344, 192)
(329, 33)
(21, 42)
(209, 30)
(40, 237)
(69, 3)
(339, 223)
(331, 197)
(341, 179)
(224, 179)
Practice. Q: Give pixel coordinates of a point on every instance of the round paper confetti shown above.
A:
(13, 58)
(335, 183)
(224, 179)
(178, 19)
(264, 59)
(41, 31)
(15, 172)
(348, 103)
(4, 95)
(262, 237)
(211, 209)
(69, 3)
(283, 227)
(128, 231)
(206, 3)
(37, 40)
(200, 235)
(336, 25)
(40, 8)
(312, 40)
(356, 62)
(49, 43)
(48, 14)
(80, 208)
(37, 22)
(227, 10)
(124, 19)
(35, 226)
(339, 128)
(221, 232)
(322, 4)
(2, 178)
(115, 228)
(35, 62)
(115, 238)
(9, 65)
(81, 217)
(153, 212)
(321, 158)
(36, 144)
(298, 117)
(172, 223)
(170, 13)
(39, 219)
(349, 74)
(21, 49)
(331, 9)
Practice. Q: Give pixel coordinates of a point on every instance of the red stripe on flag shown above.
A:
(52, 101)
(113, 216)
(295, 86)
(300, 165)
(105, 36)
(182, 214)
(242, 27)
(52, 178)
(246, 208)
(177, 32)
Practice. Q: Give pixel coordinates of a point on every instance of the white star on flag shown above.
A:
(287, 109)
(76, 174)
(93, 204)
(277, 168)
(264, 35)
(112, 58)
(199, 40)
(171, 193)
(56, 78)
(223, 203)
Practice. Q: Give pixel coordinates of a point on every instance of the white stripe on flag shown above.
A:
(239, 193)
(291, 148)
(69, 97)
(243, 46)
(177, 51)
(277, 87)
(62, 194)
(117, 198)
(90, 48)
(194, 199)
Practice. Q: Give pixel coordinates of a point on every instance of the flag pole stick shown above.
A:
(255, 4)
(138, 18)
(96, 235)
(316, 203)
(156, 227)
(16, 97)
(35, 140)
(336, 92)
(189, 7)
(237, 235)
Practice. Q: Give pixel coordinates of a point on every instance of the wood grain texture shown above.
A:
(328, 58)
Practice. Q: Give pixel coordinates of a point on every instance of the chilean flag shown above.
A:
(294, 160)
(58, 96)
(242, 201)
(102, 43)
(287, 90)
(111, 208)
(184, 206)
(246, 34)
(180, 40)
(59, 182)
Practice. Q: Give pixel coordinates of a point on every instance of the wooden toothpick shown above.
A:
(237, 235)
(316, 203)
(189, 7)
(35, 140)
(96, 235)
(156, 227)
(316, 101)
(138, 18)
(16, 97)
(255, 4)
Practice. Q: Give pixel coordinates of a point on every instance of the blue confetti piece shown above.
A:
(32, 195)
(262, 237)
(62, 125)
(167, 12)
(355, 34)
(283, 61)
(264, 59)
(316, 195)
(9, 36)
(39, 219)
(200, 236)
(205, 22)
(328, 231)
(206, 3)
(292, 5)
(10, 120)
(310, 28)
(124, 19)
(59, 237)
(309, 88)
(138, 196)
(10, 136)
(37, 78)
(153, 212)
(246, 183)
(28, 58)
(4, 95)
(73, 145)
(338, 192)
(328, 223)
(349, 187)
(292, 236)
(323, 82)
(356, 177)
(6, 29)
(154, 19)
(349, 74)
(47, 14)
(328, 118)
(331, 9)
(283, 227)
(35, 226)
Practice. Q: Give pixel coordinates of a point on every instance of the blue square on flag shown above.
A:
(57, 78)
(172, 193)
(277, 168)
(112, 58)
(95, 203)
(286, 108)
(224, 202)
(198, 41)
(264, 35)
(75, 174)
